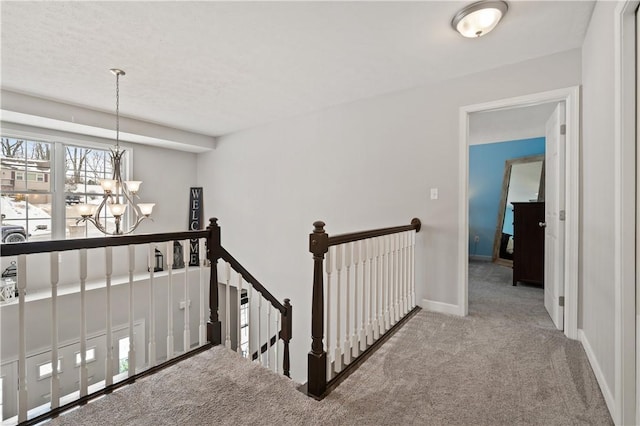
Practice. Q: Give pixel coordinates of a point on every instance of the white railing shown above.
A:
(64, 341)
(364, 285)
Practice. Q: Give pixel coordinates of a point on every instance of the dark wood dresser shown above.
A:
(528, 243)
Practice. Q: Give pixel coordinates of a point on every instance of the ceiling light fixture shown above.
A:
(479, 18)
(118, 193)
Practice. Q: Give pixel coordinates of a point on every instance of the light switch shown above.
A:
(434, 193)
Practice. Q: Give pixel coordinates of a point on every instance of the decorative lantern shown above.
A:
(159, 261)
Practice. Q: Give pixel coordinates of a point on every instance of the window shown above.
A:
(90, 356)
(46, 369)
(26, 200)
(32, 198)
(123, 355)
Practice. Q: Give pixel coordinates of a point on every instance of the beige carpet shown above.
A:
(505, 364)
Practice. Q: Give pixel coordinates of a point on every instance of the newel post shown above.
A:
(214, 326)
(285, 335)
(317, 359)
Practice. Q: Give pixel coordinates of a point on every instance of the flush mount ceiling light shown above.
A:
(479, 18)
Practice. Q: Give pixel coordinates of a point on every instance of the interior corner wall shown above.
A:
(597, 196)
(357, 166)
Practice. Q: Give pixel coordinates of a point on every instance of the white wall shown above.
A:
(597, 196)
(357, 166)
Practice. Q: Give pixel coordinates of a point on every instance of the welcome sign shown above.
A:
(195, 221)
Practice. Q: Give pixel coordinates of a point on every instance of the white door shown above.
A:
(554, 217)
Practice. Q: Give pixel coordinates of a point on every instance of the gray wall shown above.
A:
(362, 165)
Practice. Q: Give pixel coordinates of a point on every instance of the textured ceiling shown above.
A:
(218, 67)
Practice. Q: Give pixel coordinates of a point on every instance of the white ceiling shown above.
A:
(219, 67)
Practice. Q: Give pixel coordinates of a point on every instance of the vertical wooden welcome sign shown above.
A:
(195, 221)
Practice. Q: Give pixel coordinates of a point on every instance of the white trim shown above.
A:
(624, 216)
(443, 308)
(597, 371)
(571, 97)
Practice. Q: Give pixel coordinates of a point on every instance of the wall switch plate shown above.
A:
(434, 193)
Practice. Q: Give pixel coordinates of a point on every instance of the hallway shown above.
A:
(504, 364)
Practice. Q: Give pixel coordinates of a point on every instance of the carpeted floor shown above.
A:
(504, 364)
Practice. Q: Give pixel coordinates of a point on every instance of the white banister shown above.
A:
(347, 328)
(22, 344)
(187, 332)
(269, 309)
(355, 350)
(375, 291)
(203, 326)
(250, 320)
(363, 324)
(227, 306)
(170, 345)
(338, 350)
(109, 360)
(151, 257)
(132, 346)
(55, 378)
(384, 313)
(396, 281)
(239, 315)
(371, 282)
(276, 349)
(413, 269)
(389, 303)
(84, 374)
(259, 359)
(329, 269)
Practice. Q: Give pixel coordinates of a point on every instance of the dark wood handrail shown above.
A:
(98, 242)
(335, 240)
(236, 266)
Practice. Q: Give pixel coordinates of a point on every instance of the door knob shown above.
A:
(542, 224)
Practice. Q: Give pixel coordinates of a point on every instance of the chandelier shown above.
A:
(118, 193)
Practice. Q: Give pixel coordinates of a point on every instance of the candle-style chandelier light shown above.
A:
(118, 193)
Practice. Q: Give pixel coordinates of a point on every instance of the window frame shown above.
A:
(59, 140)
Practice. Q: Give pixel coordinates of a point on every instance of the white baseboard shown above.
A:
(443, 308)
(595, 366)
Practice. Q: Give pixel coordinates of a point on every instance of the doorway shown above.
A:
(570, 98)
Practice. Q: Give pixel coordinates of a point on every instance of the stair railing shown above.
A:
(369, 293)
(85, 356)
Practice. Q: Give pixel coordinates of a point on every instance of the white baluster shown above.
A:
(398, 276)
(186, 334)
(388, 283)
(278, 364)
(151, 263)
(375, 291)
(363, 329)
(406, 272)
(239, 315)
(404, 275)
(328, 269)
(380, 286)
(401, 276)
(269, 308)
(250, 320)
(413, 269)
(338, 351)
(227, 305)
(170, 339)
(347, 328)
(392, 282)
(55, 379)
(22, 343)
(259, 359)
(203, 326)
(385, 292)
(109, 359)
(356, 262)
(132, 346)
(370, 290)
(84, 373)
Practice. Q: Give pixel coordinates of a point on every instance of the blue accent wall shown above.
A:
(486, 170)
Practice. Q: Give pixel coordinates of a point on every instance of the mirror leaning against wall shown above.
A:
(523, 181)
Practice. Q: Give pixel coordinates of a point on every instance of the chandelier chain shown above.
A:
(117, 111)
